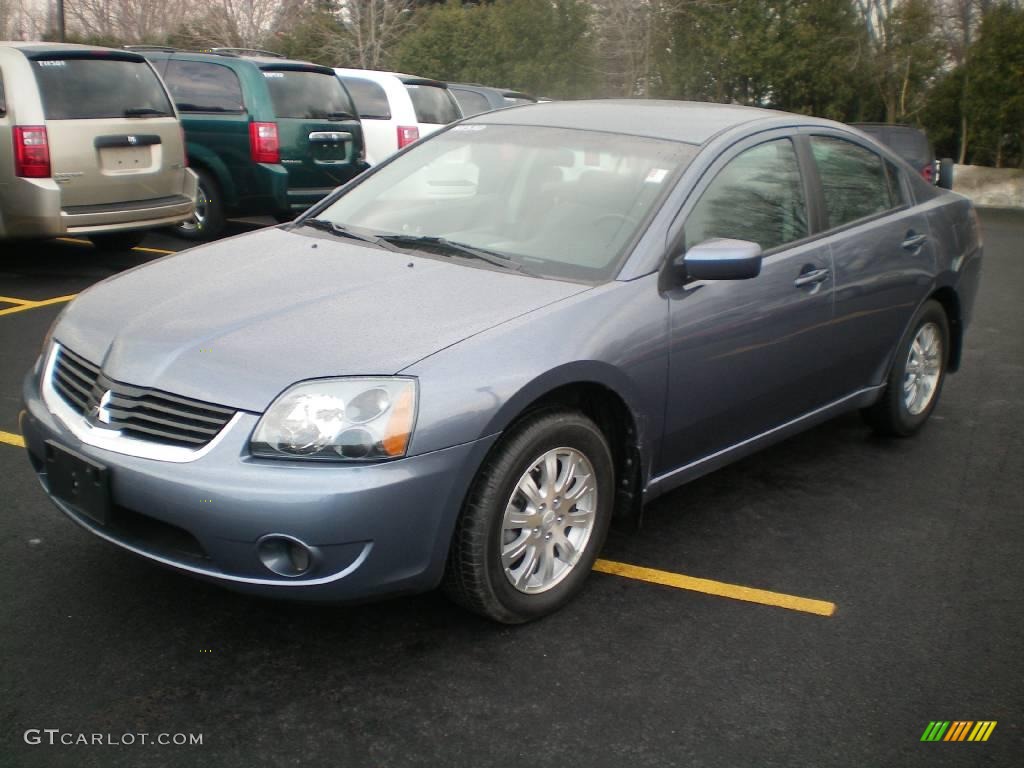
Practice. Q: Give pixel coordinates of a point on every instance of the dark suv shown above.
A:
(266, 135)
(913, 145)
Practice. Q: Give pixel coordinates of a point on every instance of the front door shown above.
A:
(749, 355)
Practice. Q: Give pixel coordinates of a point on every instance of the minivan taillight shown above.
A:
(31, 152)
(407, 134)
(264, 146)
(928, 172)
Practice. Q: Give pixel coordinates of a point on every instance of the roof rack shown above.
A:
(249, 52)
(165, 48)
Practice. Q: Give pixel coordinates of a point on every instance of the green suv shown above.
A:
(265, 135)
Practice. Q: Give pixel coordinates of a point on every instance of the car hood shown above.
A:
(238, 321)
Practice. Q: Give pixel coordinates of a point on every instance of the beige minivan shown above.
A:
(90, 145)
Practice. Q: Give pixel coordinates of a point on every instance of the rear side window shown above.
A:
(84, 88)
(758, 197)
(896, 193)
(853, 180)
(433, 104)
(307, 95)
(370, 99)
(472, 103)
(200, 87)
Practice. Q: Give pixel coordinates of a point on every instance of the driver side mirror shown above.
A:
(721, 259)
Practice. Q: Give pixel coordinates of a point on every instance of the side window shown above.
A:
(896, 191)
(758, 196)
(853, 180)
(200, 87)
(3, 99)
(370, 99)
(471, 102)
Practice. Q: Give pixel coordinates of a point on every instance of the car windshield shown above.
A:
(308, 95)
(559, 202)
(97, 88)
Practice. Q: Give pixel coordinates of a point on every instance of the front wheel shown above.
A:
(913, 387)
(535, 519)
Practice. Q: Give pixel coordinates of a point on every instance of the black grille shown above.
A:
(140, 412)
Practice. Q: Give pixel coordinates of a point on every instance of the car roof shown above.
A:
(686, 121)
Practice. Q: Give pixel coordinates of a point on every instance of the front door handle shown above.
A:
(914, 241)
(812, 277)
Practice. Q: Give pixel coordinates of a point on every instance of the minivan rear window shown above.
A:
(433, 104)
(308, 95)
(472, 103)
(85, 88)
(199, 86)
(3, 99)
(370, 99)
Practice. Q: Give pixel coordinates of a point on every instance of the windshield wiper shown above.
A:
(459, 249)
(334, 116)
(146, 112)
(342, 231)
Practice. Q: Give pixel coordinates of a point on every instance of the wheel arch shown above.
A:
(603, 395)
(947, 297)
(200, 158)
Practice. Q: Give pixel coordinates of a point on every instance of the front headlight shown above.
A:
(350, 419)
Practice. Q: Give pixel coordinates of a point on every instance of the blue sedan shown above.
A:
(458, 368)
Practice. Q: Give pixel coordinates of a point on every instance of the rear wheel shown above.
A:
(117, 241)
(913, 387)
(535, 519)
(207, 222)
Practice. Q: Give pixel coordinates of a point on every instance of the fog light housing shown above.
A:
(285, 555)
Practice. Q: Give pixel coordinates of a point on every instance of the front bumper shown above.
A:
(377, 529)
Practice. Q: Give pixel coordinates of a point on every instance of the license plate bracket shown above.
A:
(78, 481)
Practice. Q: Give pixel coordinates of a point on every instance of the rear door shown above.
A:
(112, 132)
(882, 251)
(317, 125)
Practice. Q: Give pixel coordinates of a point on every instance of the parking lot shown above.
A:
(889, 577)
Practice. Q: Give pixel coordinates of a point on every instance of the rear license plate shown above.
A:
(126, 158)
(79, 482)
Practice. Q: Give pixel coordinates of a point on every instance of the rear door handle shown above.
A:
(812, 277)
(914, 242)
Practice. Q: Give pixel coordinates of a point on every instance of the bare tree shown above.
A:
(21, 20)
(127, 21)
(373, 27)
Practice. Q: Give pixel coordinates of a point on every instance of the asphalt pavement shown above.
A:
(917, 544)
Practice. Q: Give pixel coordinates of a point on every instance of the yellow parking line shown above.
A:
(12, 300)
(79, 241)
(37, 304)
(163, 251)
(719, 588)
(12, 439)
(665, 578)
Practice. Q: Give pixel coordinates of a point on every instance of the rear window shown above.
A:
(83, 89)
(909, 144)
(472, 103)
(198, 86)
(3, 99)
(370, 99)
(307, 95)
(433, 104)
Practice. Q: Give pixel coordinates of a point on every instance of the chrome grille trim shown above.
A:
(142, 422)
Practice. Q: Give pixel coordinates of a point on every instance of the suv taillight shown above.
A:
(407, 134)
(928, 172)
(31, 152)
(264, 146)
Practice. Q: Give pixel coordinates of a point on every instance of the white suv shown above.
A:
(397, 109)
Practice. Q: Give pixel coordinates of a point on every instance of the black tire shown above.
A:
(475, 577)
(208, 222)
(117, 241)
(891, 415)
